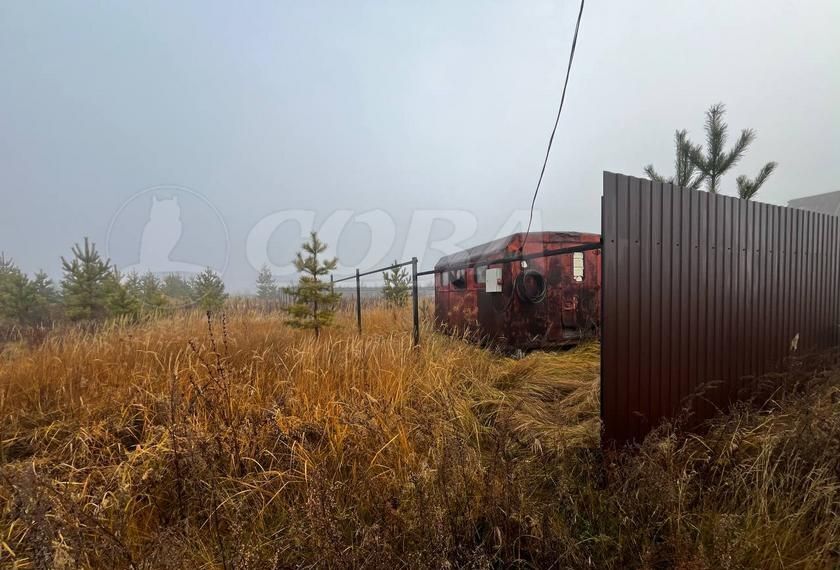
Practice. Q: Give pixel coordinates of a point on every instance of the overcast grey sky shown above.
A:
(265, 107)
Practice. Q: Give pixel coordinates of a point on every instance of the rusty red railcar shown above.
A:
(545, 302)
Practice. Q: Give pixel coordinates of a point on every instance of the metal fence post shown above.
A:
(414, 302)
(332, 284)
(358, 302)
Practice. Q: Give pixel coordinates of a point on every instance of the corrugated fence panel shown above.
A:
(702, 293)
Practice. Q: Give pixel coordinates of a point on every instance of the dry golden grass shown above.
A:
(241, 443)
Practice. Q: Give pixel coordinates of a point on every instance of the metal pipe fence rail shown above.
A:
(415, 310)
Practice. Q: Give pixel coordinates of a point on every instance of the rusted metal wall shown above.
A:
(568, 313)
(703, 292)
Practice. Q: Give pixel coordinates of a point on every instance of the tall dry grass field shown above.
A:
(241, 443)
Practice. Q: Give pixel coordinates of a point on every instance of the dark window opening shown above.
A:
(458, 278)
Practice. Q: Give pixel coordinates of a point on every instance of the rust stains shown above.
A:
(553, 302)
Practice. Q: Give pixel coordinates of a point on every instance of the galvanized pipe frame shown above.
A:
(371, 272)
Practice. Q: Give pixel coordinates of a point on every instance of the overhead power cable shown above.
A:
(554, 130)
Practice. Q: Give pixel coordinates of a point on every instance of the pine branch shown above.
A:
(765, 173)
(652, 174)
(715, 133)
(737, 152)
(747, 189)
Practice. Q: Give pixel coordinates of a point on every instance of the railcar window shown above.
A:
(458, 278)
(481, 274)
(577, 266)
(444, 279)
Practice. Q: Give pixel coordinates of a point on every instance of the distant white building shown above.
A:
(828, 203)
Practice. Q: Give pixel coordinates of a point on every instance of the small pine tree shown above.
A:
(17, 296)
(177, 288)
(133, 283)
(8, 273)
(267, 289)
(46, 298)
(119, 300)
(695, 165)
(83, 286)
(397, 286)
(151, 293)
(208, 291)
(314, 301)
(716, 162)
(8, 270)
(24, 300)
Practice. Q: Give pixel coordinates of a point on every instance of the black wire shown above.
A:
(522, 291)
(554, 130)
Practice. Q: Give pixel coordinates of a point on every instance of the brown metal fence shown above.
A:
(702, 293)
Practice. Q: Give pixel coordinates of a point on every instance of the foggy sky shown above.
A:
(260, 107)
